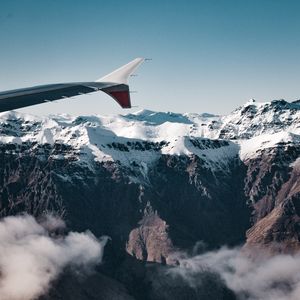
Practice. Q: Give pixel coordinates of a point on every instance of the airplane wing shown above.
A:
(114, 84)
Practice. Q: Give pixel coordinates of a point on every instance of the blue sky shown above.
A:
(208, 55)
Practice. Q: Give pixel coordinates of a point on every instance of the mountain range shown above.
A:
(158, 184)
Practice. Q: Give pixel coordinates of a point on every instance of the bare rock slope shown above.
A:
(158, 183)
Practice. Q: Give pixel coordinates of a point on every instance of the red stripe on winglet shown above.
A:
(122, 97)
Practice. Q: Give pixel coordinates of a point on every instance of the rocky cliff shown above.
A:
(158, 183)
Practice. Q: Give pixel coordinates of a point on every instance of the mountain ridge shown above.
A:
(159, 183)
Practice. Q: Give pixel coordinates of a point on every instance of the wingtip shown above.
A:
(122, 74)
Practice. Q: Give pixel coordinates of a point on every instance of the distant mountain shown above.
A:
(159, 182)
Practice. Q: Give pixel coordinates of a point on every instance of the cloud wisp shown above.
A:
(250, 278)
(31, 257)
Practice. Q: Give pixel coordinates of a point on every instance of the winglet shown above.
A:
(122, 74)
(120, 93)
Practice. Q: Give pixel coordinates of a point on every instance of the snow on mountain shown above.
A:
(143, 136)
(253, 119)
(259, 125)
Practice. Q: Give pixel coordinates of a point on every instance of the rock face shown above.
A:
(274, 192)
(150, 241)
(158, 183)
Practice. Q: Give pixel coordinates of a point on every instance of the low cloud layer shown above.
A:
(31, 257)
(259, 278)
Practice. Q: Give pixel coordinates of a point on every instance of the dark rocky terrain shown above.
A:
(220, 180)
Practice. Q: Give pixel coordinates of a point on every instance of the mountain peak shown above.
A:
(93, 134)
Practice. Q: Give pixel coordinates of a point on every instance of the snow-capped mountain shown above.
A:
(159, 182)
(140, 138)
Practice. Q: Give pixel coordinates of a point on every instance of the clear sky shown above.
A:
(208, 55)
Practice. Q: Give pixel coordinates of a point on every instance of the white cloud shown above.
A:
(30, 258)
(254, 277)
